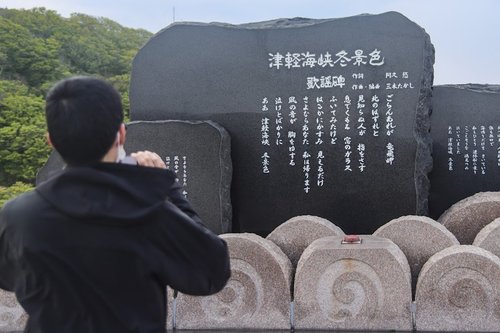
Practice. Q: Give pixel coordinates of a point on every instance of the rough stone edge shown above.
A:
(485, 232)
(423, 156)
(454, 251)
(308, 218)
(281, 258)
(226, 168)
(466, 203)
(423, 219)
(473, 87)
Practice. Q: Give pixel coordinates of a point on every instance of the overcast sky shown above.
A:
(465, 34)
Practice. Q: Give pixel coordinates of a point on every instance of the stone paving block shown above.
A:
(468, 216)
(296, 234)
(257, 296)
(489, 237)
(12, 315)
(363, 286)
(419, 238)
(458, 290)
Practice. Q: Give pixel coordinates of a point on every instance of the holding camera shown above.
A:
(93, 248)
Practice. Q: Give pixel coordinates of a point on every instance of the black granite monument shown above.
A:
(326, 117)
(197, 151)
(466, 143)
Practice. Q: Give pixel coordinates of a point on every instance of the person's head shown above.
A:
(84, 119)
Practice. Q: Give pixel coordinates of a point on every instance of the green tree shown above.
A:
(7, 193)
(22, 138)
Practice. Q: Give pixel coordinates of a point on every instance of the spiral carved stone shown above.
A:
(12, 315)
(348, 289)
(297, 233)
(489, 237)
(459, 290)
(419, 238)
(467, 217)
(353, 286)
(257, 296)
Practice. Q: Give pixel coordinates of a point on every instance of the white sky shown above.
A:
(465, 33)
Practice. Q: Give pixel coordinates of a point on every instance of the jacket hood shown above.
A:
(108, 190)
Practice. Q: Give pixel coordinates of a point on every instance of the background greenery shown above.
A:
(37, 48)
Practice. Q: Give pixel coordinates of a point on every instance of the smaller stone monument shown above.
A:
(467, 217)
(419, 238)
(458, 290)
(489, 238)
(296, 234)
(257, 296)
(465, 129)
(12, 315)
(343, 285)
(199, 152)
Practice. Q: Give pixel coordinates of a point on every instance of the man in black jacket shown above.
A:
(93, 248)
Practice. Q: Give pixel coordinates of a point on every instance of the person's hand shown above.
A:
(149, 159)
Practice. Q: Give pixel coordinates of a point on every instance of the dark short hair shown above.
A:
(83, 116)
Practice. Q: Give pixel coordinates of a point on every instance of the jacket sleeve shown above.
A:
(197, 260)
(177, 198)
(7, 266)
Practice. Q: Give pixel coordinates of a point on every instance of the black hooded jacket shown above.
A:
(92, 250)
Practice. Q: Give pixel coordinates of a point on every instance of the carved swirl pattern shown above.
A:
(240, 299)
(12, 314)
(348, 289)
(468, 295)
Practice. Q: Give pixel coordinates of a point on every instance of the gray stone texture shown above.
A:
(12, 315)
(206, 148)
(458, 290)
(467, 217)
(296, 234)
(419, 238)
(363, 286)
(257, 296)
(256, 81)
(465, 125)
(489, 237)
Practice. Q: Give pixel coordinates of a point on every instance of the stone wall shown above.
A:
(411, 274)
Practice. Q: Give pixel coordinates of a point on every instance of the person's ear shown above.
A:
(123, 134)
(49, 141)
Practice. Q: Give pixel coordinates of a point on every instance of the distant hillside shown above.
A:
(37, 48)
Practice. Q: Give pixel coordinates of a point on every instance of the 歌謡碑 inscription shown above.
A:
(338, 132)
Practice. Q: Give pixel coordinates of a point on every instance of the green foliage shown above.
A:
(37, 48)
(7, 193)
(22, 138)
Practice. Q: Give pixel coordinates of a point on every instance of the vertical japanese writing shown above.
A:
(375, 115)
(305, 127)
(348, 152)
(292, 135)
(450, 148)
(389, 120)
(265, 138)
(361, 119)
(321, 170)
(306, 169)
(184, 176)
(333, 120)
(457, 140)
(319, 121)
(266, 160)
(483, 146)
(278, 105)
(390, 157)
(347, 104)
(466, 138)
(361, 151)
